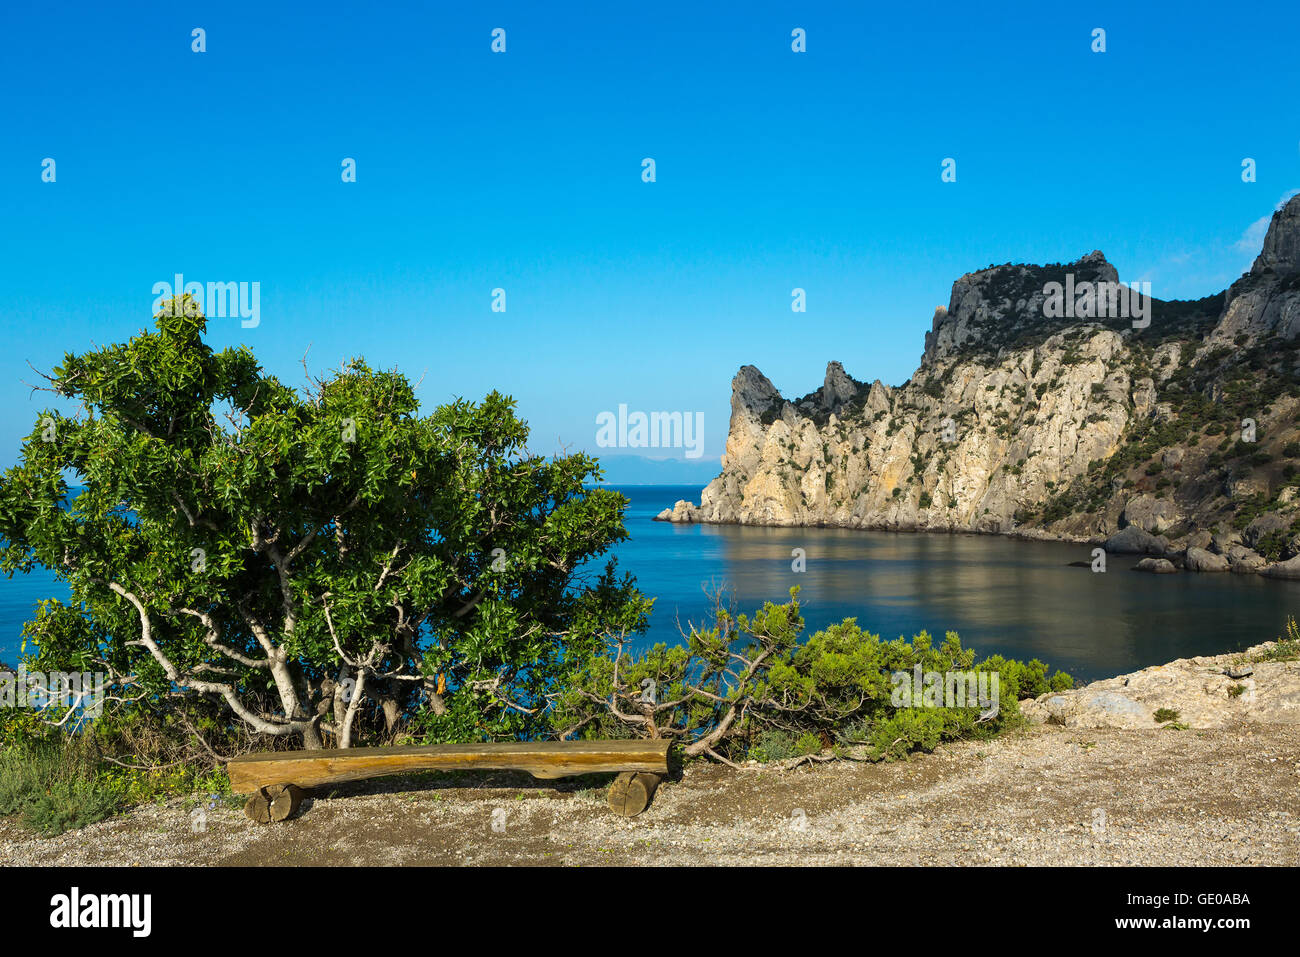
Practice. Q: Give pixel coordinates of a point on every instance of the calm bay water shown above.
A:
(1020, 599)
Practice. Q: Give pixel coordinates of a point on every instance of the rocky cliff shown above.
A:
(1176, 430)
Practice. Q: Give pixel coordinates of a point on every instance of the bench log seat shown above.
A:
(276, 780)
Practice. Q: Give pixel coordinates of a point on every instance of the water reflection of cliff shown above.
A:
(1018, 598)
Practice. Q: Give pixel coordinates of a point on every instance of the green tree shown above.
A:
(307, 557)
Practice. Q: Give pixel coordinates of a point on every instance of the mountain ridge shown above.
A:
(1021, 421)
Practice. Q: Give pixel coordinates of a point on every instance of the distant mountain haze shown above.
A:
(640, 470)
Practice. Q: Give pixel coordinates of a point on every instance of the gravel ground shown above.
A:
(1048, 795)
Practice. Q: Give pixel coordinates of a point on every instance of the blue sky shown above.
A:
(522, 171)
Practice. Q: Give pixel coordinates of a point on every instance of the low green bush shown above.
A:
(55, 787)
(750, 688)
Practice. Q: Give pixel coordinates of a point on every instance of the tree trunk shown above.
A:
(435, 693)
(392, 709)
(345, 726)
(292, 703)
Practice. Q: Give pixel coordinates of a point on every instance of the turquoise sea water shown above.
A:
(1016, 598)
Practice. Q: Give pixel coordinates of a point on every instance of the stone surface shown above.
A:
(1244, 561)
(1289, 569)
(1199, 560)
(1281, 252)
(1222, 541)
(1160, 566)
(1197, 688)
(1151, 514)
(683, 511)
(1267, 524)
(1134, 541)
(1092, 709)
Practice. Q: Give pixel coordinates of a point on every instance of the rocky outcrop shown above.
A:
(1199, 560)
(838, 388)
(1160, 566)
(1135, 541)
(1150, 513)
(1243, 560)
(1265, 301)
(682, 511)
(1089, 709)
(1150, 438)
(1205, 692)
(1289, 569)
(1281, 252)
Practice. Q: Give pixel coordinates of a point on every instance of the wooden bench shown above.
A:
(276, 781)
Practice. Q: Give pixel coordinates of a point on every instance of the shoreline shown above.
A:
(1027, 535)
(1215, 553)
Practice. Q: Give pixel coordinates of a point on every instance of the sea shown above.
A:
(1002, 596)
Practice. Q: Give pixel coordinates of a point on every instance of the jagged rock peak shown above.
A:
(1093, 267)
(838, 387)
(1281, 252)
(752, 390)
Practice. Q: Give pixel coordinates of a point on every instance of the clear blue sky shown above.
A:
(523, 171)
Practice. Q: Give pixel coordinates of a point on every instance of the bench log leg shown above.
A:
(631, 792)
(276, 802)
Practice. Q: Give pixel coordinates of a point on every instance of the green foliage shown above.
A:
(1166, 714)
(268, 549)
(55, 787)
(750, 688)
(777, 745)
(1251, 509)
(1274, 546)
(1027, 679)
(22, 727)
